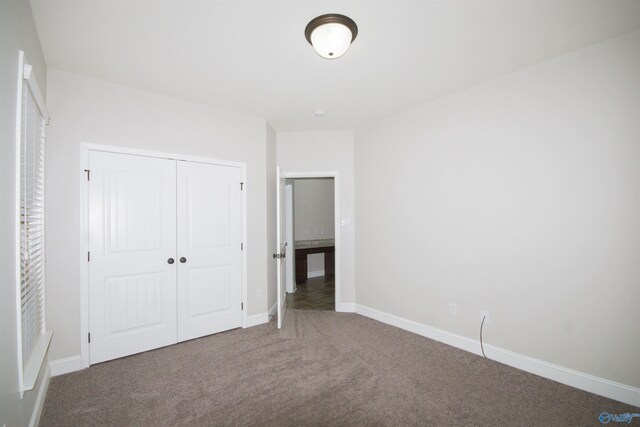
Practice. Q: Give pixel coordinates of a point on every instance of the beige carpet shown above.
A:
(323, 368)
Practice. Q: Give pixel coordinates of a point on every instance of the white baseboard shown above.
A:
(315, 273)
(42, 395)
(66, 365)
(346, 307)
(274, 309)
(603, 387)
(256, 319)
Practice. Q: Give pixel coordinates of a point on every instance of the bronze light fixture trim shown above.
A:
(331, 34)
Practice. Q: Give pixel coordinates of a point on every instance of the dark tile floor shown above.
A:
(317, 293)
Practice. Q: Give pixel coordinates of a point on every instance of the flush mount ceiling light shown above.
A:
(331, 34)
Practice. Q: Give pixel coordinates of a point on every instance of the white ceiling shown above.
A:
(252, 57)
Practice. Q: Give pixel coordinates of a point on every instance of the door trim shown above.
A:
(85, 149)
(336, 219)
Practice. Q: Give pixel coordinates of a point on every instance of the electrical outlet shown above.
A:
(259, 294)
(484, 314)
(453, 308)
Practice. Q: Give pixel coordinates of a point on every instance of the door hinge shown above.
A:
(241, 186)
(88, 256)
(88, 171)
(241, 306)
(89, 337)
(241, 246)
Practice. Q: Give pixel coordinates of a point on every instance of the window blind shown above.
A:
(31, 223)
(30, 168)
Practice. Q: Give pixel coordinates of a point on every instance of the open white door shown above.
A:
(290, 255)
(280, 253)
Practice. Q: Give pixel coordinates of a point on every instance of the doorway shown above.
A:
(311, 228)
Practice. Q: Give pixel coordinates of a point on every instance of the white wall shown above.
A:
(328, 151)
(314, 209)
(17, 32)
(520, 196)
(94, 111)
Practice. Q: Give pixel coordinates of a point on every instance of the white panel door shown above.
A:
(209, 252)
(281, 250)
(132, 243)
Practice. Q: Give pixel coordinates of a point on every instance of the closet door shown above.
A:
(209, 213)
(132, 242)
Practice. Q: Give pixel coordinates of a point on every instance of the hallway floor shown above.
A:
(317, 293)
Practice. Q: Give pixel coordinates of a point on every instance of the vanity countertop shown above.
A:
(316, 243)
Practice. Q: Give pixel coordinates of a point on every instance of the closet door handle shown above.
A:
(170, 261)
(183, 260)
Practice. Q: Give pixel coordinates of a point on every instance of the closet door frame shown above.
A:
(85, 149)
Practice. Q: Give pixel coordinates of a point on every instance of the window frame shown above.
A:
(29, 370)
